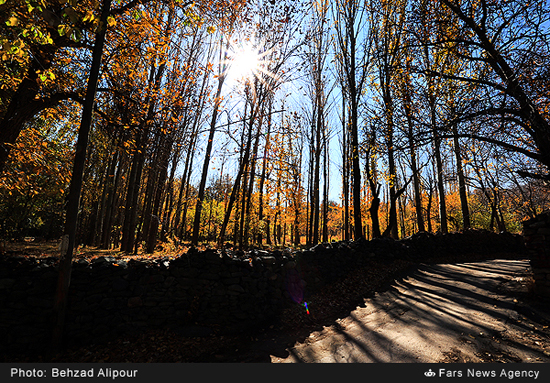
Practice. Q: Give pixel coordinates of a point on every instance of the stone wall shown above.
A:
(213, 290)
(536, 232)
(109, 297)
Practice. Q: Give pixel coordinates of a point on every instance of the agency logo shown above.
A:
(429, 373)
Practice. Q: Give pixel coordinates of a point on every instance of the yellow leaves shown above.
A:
(12, 21)
(64, 30)
(46, 76)
(211, 29)
(111, 22)
(89, 17)
(17, 48)
(15, 52)
(39, 163)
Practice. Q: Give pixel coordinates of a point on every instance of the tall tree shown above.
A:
(222, 73)
(406, 92)
(318, 45)
(389, 19)
(432, 61)
(353, 49)
(73, 199)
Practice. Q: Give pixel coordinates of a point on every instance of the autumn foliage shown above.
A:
(358, 118)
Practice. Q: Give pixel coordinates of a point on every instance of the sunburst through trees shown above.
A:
(253, 123)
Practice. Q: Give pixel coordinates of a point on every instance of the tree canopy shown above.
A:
(346, 119)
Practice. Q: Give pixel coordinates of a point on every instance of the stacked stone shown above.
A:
(110, 297)
(536, 232)
(27, 290)
(217, 290)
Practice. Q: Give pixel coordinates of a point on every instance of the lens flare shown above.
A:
(295, 286)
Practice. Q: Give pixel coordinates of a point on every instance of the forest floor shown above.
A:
(294, 325)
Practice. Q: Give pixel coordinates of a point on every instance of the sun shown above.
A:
(245, 63)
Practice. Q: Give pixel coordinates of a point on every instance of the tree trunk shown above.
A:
(345, 172)
(461, 181)
(184, 190)
(440, 185)
(316, 174)
(129, 229)
(208, 152)
(73, 200)
(429, 210)
(385, 84)
(107, 185)
(157, 199)
(169, 198)
(236, 185)
(310, 217)
(325, 187)
(250, 188)
(262, 182)
(407, 106)
(357, 220)
(111, 203)
(130, 214)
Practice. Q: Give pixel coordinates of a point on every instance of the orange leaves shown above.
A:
(111, 21)
(12, 21)
(38, 164)
(89, 16)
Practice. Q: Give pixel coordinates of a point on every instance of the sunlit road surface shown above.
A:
(468, 310)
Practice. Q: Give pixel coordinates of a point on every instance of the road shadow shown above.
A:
(487, 307)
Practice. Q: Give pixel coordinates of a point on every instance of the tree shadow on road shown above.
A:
(484, 311)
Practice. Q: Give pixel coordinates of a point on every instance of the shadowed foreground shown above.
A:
(465, 312)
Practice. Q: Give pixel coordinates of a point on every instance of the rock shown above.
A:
(319, 248)
(269, 260)
(119, 284)
(290, 265)
(261, 253)
(210, 276)
(39, 302)
(237, 288)
(212, 256)
(6, 283)
(169, 281)
(100, 260)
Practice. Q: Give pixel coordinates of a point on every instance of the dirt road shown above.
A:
(470, 312)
